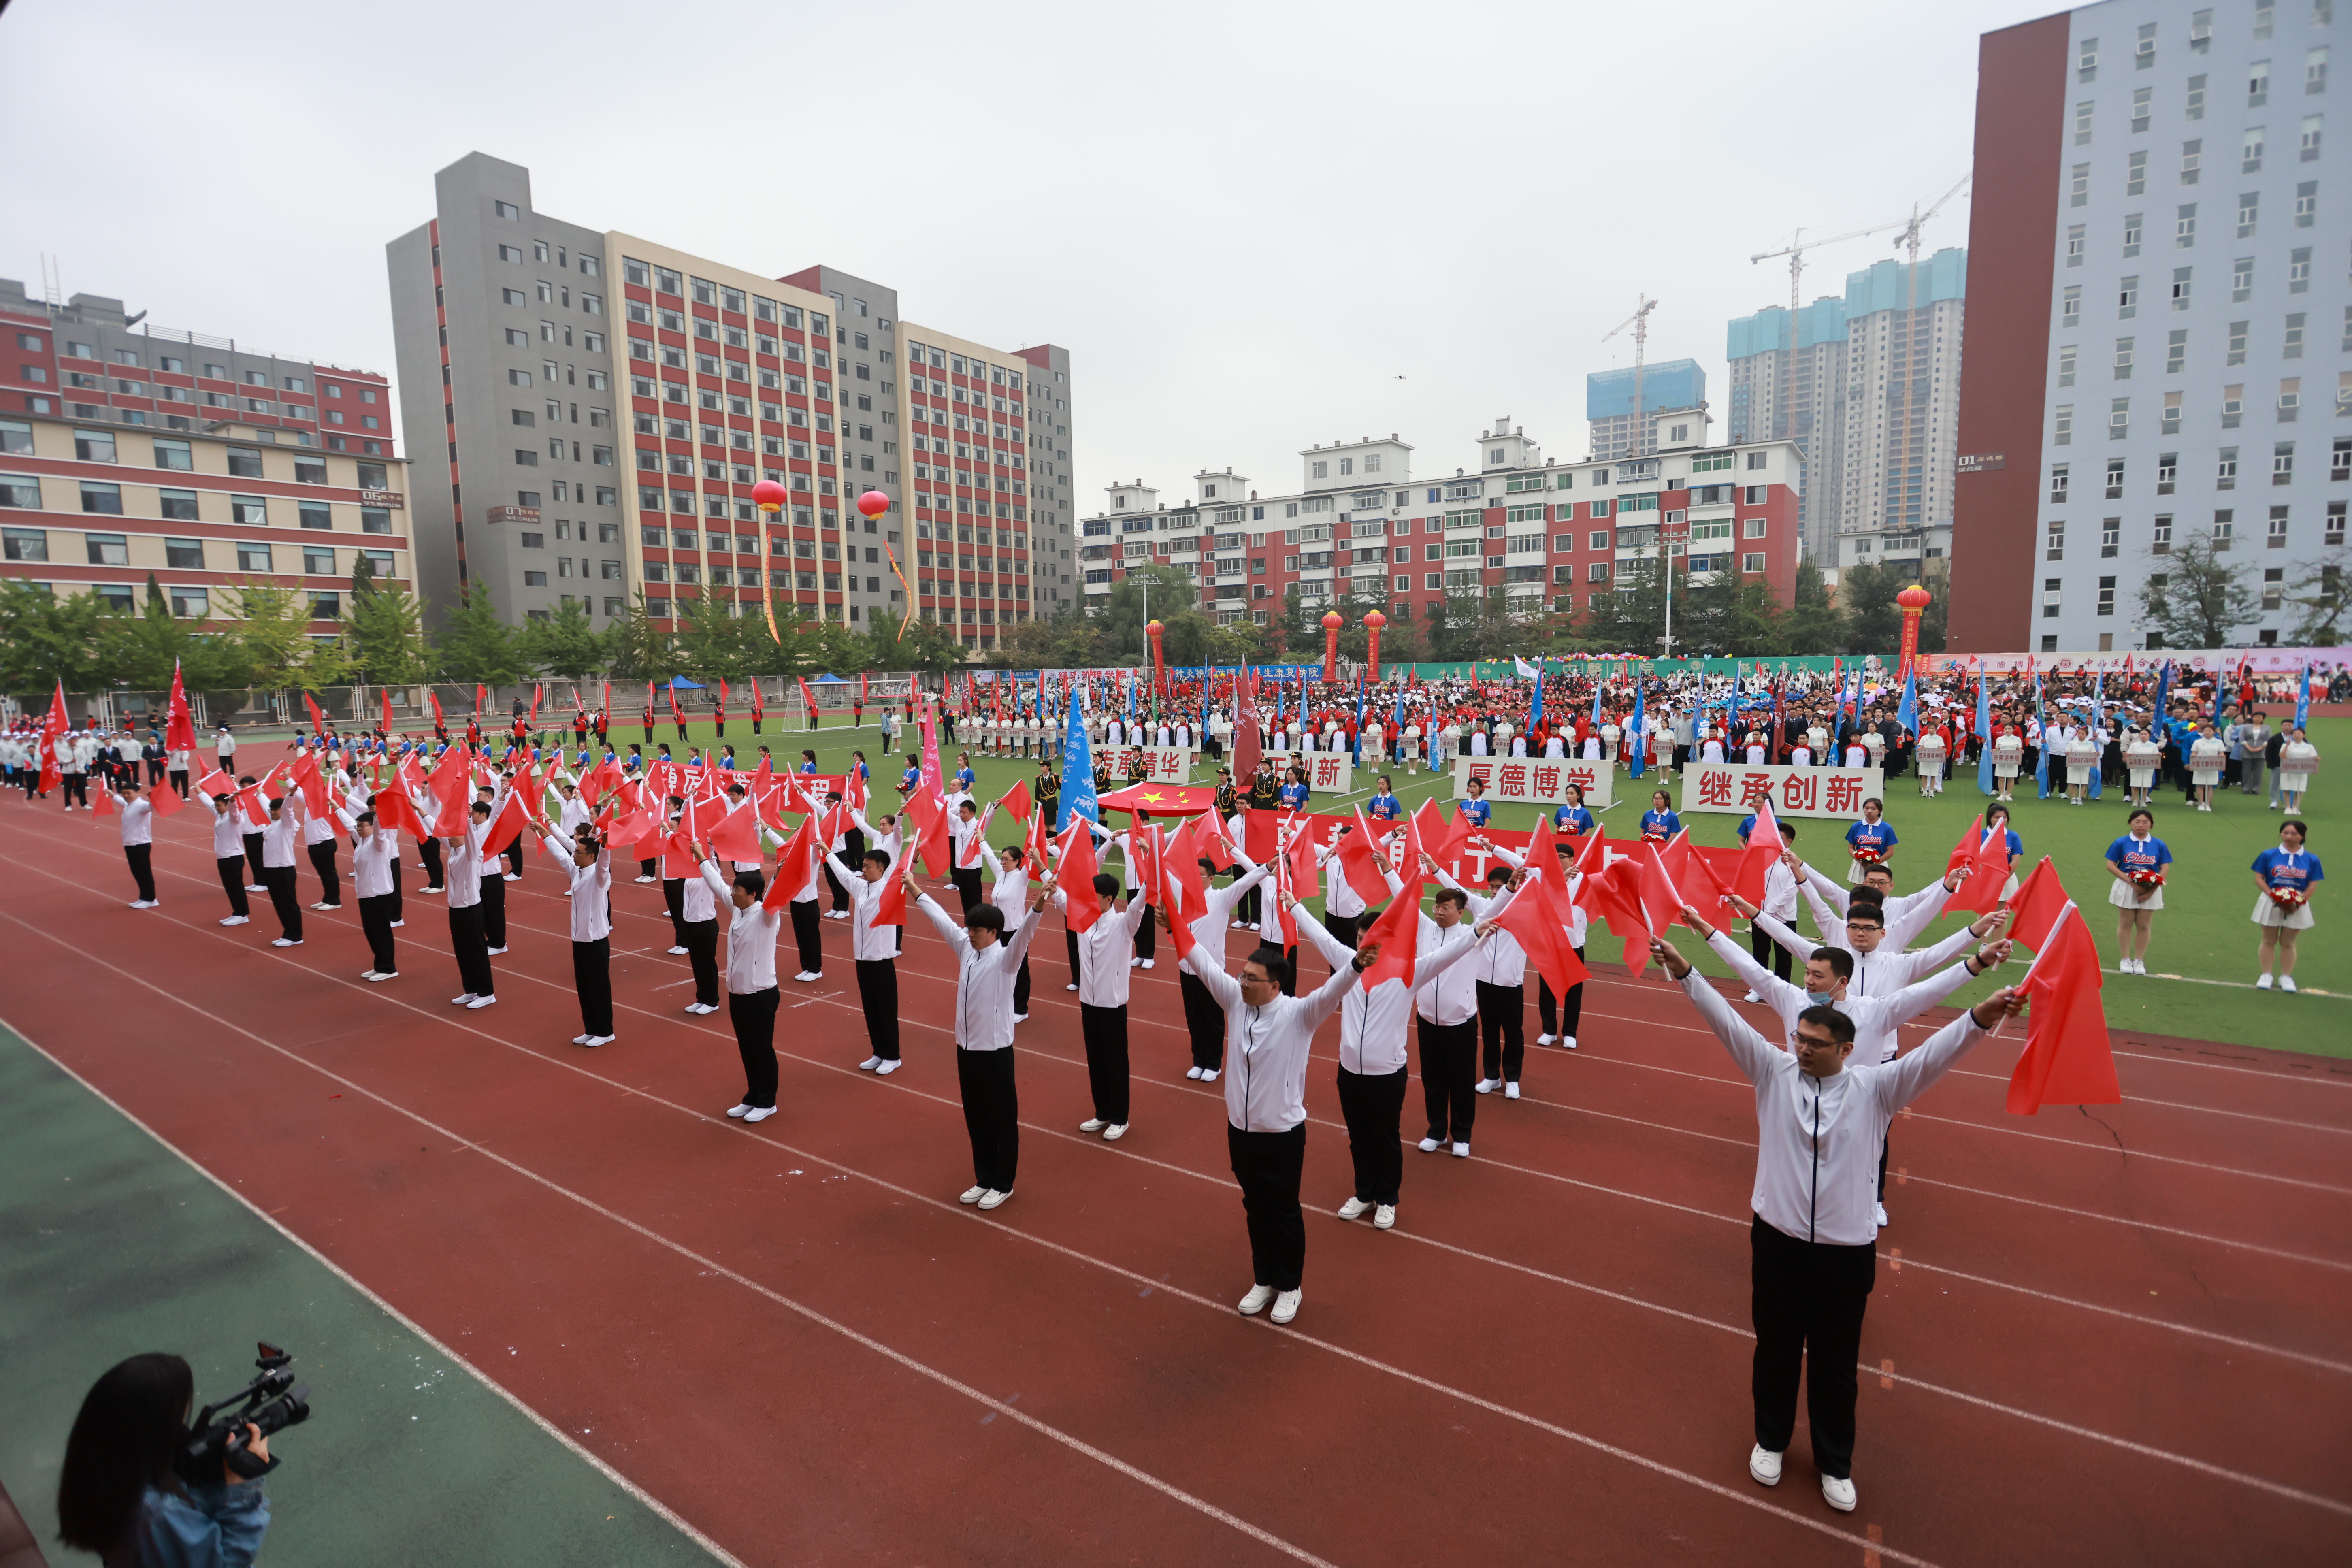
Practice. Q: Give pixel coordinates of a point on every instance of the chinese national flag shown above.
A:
(2068, 1061)
(1537, 916)
(1017, 800)
(1076, 877)
(2038, 904)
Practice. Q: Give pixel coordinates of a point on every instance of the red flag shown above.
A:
(2067, 1058)
(387, 711)
(890, 908)
(1017, 800)
(931, 837)
(1354, 859)
(395, 810)
(723, 694)
(1537, 916)
(604, 708)
(448, 784)
(2038, 905)
(1986, 857)
(215, 782)
(1397, 932)
(1077, 877)
(808, 698)
(1441, 840)
(503, 832)
(1248, 747)
(797, 865)
(1765, 848)
(861, 688)
(102, 803)
(318, 720)
(538, 691)
(736, 835)
(759, 707)
(671, 692)
(434, 697)
(1300, 853)
(179, 725)
(314, 788)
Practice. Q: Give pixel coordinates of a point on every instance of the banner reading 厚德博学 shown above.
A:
(1536, 781)
(1794, 792)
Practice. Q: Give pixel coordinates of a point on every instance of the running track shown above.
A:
(2114, 1336)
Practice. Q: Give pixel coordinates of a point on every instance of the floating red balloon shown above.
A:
(874, 503)
(768, 494)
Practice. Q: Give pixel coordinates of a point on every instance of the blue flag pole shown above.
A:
(1077, 775)
(1984, 731)
(1634, 734)
(2303, 700)
(2041, 743)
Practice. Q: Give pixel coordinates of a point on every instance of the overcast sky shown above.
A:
(1254, 226)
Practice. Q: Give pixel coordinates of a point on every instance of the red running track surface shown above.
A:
(2106, 1336)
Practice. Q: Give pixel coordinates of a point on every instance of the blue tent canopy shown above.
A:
(831, 681)
(681, 683)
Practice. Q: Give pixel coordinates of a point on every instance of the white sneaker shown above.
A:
(236, 920)
(497, 952)
(145, 903)
(317, 908)
(869, 1064)
(1286, 1306)
(1241, 925)
(1568, 1042)
(1510, 1092)
(994, 1199)
(972, 1194)
(1150, 963)
(1254, 1302)
(759, 1113)
(1114, 1131)
(257, 888)
(885, 1069)
(1838, 1492)
(806, 975)
(1430, 1145)
(1207, 1074)
(738, 1112)
(478, 1003)
(369, 975)
(1353, 1209)
(1543, 1039)
(675, 950)
(1254, 925)
(1192, 1072)
(1020, 1017)
(1882, 1216)
(1384, 1217)
(2287, 984)
(642, 881)
(1073, 985)
(1134, 962)
(1751, 996)
(1093, 1124)
(576, 1039)
(514, 876)
(593, 1041)
(2262, 982)
(1490, 1084)
(384, 974)
(397, 924)
(700, 1007)
(285, 942)
(1764, 1465)
(1461, 1151)
(461, 1001)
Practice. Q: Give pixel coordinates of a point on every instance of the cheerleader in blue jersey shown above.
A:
(1572, 819)
(1295, 795)
(2137, 861)
(1659, 823)
(1871, 840)
(1998, 816)
(2286, 875)
(1476, 811)
(1384, 807)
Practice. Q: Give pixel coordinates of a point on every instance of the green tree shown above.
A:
(1874, 621)
(2318, 595)
(2198, 599)
(1241, 642)
(476, 648)
(566, 644)
(1813, 624)
(45, 638)
(710, 637)
(271, 628)
(1632, 619)
(1728, 615)
(1121, 612)
(1068, 638)
(382, 631)
(924, 646)
(635, 650)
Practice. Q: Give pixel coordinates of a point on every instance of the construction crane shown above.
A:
(1795, 251)
(1640, 322)
(1909, 239)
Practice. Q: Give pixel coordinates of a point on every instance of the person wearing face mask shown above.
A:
(989, 961)
(1820, 1121)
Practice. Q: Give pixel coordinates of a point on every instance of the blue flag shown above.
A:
(2220, 696)
(2041, 743)
(1633, 736)
(1597, 682)
(1358, 759)
(2303, 700)
(2159, 712)
(1077, 775)
(1984, 731)
(1907, 712)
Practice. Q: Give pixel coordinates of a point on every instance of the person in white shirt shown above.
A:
(1268, 1037)
(1204, 1021)
(1813, 1247)
(1106, 954)
(967, 847)
(373, 854)
(1342, 902)
(988, 963)
(492, 893)
(1373, 1070)
(591, 926)
(698, 918)
(138, 815)
(319, 839)
(808, 943)
(467, 944)
(1560, 1015)
(1008, 874)
(1446, 1012)
(225, 750)
(1502, 982)
(277, 841)
(1904, 915)
(752, 995)
(229, 854)
(874, 949)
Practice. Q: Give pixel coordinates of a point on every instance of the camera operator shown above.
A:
(119, 1496)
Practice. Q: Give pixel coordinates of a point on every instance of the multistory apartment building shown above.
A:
(1548, 535)
(2159, 241)
(1618, 430)
(608, 402)
(131, 454)
(1874, 398)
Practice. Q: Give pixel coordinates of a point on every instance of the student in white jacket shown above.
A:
(229, 855)
(1820, 1118)
(591, 863)
(1105, 951)
(989, 960)
(277, 841)
(752, 995)
(373, 854)
(1204, 1021)
(138, 818)
(1372, 1071)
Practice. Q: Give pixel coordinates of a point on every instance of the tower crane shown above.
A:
(1640, 322)
(1909, 239)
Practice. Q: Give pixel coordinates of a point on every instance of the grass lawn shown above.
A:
(2204, 949)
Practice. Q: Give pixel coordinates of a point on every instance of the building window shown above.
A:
(101, 497)
(1752, 561)
(24, 544)
(184, 554)
(190, 604)
(2106, 602)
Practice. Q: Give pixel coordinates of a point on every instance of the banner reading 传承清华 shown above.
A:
(1794, 792)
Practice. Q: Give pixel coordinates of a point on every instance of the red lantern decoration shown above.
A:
(1914, 602)
(874, 503)
(768, 496)
(1332, 624)
(1153, 631)
(1372, 624)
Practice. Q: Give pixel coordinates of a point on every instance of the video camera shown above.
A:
(272, 1401)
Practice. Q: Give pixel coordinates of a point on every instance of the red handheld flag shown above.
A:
(179, 725)
(795, 865)
(481, 699)
(1538, 917)
(1765, 848)
(1354, 861)
(2067, 1058)
(671, 692)
(736, 835)
(434, 697)
(538, 691)
(2038, 905)
(395, 810)
(1077, 877)
(1986, 856)
(1300, 853)
(1017, 800)
(504, 831)
(1397, 932)
(318, 720)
